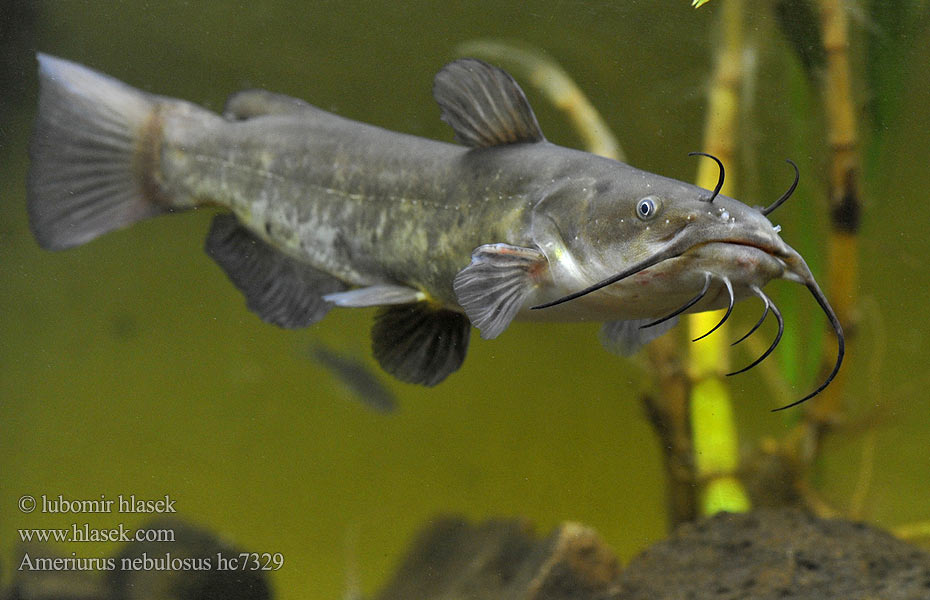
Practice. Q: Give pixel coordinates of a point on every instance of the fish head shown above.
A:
(665, 234)
(658, 247)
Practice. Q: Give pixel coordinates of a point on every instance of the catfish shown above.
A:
(318, 211)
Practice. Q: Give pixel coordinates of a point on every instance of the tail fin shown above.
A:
(91, 170)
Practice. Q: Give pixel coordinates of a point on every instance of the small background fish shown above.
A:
(356, 377)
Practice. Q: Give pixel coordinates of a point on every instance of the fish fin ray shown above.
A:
(484, 105)
(625, 338)
(376, 295)
(86, 139)
(256, 102)
(493, 288)
(279, 289)
(420, 343)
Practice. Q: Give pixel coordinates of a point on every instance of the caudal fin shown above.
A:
(92, 164)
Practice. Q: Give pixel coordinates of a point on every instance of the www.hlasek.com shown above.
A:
(79, 533)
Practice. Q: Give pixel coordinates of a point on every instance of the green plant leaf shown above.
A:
(800, 24)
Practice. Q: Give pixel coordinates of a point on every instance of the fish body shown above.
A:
(376, 207)
(323, 211)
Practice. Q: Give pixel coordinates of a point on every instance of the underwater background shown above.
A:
(132, 366)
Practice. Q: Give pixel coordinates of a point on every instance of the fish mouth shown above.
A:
(768, 248)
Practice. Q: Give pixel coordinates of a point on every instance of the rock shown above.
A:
(192, 571)
(51, 584)
(762, 555)
(503, 559)
(778, 553)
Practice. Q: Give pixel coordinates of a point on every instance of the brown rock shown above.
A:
(763, 555)
(502, 559)
(778, 553)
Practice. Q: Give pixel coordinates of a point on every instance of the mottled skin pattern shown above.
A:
(364, 204)
(373, 206)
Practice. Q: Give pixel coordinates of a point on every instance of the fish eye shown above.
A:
(647, 207)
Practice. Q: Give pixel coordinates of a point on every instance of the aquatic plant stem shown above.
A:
(714, 435)
(844, 198)
(546, 75)
(668, 410)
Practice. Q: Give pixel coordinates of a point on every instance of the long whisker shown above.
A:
(719, 179)
(686, 305)
(675, 247)
(726, 316)
(786, 195)
(758, 324)
(640, 266)
(781, 329)
(840, 341)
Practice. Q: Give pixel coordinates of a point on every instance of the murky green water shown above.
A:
(131, 366)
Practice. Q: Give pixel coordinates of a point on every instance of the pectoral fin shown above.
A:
(493, 288)
(281, 290)
(484, 105)
(627, 337)
(419, 342)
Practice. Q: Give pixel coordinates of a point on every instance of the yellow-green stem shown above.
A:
(716, 445)
(545, 74)
(845, 201)
(668, 409)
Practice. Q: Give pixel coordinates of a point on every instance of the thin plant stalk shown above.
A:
(844, 198)
(669, 412)
(668, 409)
(693, 420)
(538, 68)
(716, 444)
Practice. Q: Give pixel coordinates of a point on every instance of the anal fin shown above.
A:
(279, 289)
(420, 343)
(625, 338)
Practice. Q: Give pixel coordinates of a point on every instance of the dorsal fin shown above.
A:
(484, 105)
